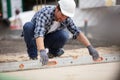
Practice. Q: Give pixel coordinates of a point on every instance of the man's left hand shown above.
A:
(94, 53)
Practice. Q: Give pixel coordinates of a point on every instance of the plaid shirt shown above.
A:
(44, 18)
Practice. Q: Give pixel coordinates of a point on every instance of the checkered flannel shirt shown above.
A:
(44, 18)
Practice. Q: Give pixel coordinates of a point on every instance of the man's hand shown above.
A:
(94, 53)
(43, 57)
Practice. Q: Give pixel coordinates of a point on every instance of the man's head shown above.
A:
(59, 16)
(65, 8)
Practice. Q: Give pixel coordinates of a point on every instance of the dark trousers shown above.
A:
(53, 41)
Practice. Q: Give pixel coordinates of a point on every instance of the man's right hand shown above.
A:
(43, 56)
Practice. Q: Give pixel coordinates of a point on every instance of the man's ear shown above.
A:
(57, 7)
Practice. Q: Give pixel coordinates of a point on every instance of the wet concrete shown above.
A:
(107, 71)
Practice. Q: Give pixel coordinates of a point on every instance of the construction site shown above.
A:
(99, 20)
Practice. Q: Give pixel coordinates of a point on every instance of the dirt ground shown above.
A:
(15, 50)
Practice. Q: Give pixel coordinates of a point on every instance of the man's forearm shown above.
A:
(82, 38)
(95, 55)
(40, 43)
(43, 53)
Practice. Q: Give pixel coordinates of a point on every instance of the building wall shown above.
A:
(103, 23)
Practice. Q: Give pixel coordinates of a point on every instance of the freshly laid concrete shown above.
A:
(106, 71)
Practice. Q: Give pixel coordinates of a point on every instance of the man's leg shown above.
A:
(28, 32)
(55, 41)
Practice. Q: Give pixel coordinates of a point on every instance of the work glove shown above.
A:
(93, 53)
(43, 57)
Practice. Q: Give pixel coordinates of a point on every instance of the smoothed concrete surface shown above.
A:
(106, 71)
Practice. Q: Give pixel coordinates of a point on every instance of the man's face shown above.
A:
(59, 16)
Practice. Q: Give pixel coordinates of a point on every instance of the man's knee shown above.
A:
(28, 26)
(63, 36)
(58, 38)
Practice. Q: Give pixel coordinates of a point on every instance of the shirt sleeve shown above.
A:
(40, 23)
(72, 28)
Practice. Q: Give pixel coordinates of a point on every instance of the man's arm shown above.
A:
(40, 43)
(82, 38)
(40, 20)
(41, 48)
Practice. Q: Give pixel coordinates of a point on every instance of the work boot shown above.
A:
(22, 34)
(61, 51)
(50, 55)
(33, 58)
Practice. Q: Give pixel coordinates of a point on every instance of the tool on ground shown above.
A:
(57, 62)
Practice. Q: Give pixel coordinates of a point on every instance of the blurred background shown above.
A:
(98, 19)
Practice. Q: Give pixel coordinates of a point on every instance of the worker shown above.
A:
(47, 31)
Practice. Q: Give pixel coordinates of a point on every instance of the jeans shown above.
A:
(53, 41)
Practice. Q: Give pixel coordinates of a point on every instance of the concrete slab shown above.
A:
(107, 71)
